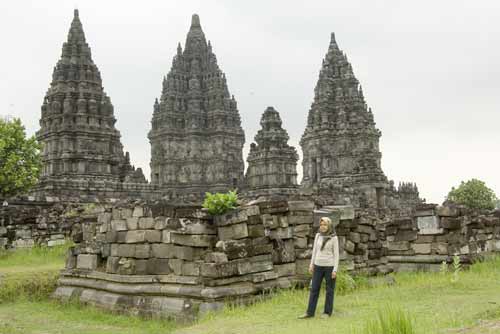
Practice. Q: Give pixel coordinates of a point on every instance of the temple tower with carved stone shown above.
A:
(272, 163)
(341, 142)
(81, 149)
(196, 136)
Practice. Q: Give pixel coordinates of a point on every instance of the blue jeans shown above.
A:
(318, 274)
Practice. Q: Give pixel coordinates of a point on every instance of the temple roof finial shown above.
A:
(195, 21)
(333, 42)
(75, 13)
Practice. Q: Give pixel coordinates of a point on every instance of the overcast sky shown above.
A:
(429, 70)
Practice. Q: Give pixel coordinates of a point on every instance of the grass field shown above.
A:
(432, 301)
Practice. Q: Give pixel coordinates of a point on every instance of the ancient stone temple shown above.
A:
(272, 163)
(82, 153)
(196, 136)
(341, 143)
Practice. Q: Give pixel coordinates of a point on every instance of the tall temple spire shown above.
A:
(340, 143)
(196, 137)
(272, 163)
(77, 127)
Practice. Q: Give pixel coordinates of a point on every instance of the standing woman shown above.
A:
(324, 264)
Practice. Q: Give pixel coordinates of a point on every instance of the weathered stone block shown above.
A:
(191, 268)
(176, 266)
(114, 249)
(216, 257)
(132, 223)
(158, 267)
(429, 225)
(270, 221)
(346, 211)
(447, 211)
(251, 210)
(440, 248)
(421, 248)
(166, 251)
(142, 251)
(303, 230)
(232, 217)
(70, 261)
(283, 251)
(287, 269)
(153, 236)
(450, 223)
(136, 236)
(302, 267)
(126, 266)
(256, 231)
(236, 231)
(166, 237)
(236, 248)
(301, 205)
(398, 245)
(146, 223)
(141, 267)
(111, 236)
(193, 240)
(349, 246)
(125, 250)
(197, 226)
(406, 235)
(354, 237)
(281, 233)
(216, 270)
(283, 221)
(273, 207)
(254, 265)
(121, 237)
(112, 264)
(424, 239)
(300, 219)
(424, 213)
(161, 223)
(254, 220)
(186, 253)
(119, 225)
(300, 242)
(138, 212)
(87, 261)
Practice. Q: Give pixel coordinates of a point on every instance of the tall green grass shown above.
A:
(391, 319)
(35, 256)
(30, 273)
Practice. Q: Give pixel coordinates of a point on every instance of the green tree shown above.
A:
(473, 194)
(20, 161)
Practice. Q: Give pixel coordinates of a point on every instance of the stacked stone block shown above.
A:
(26, 223)
(437, 233)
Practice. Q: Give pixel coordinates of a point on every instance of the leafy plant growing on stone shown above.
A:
(443, 269)
(219, 203)
(457, 267)
(473, 194)
(20, 162)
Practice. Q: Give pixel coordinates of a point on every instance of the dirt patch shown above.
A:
(482, 327)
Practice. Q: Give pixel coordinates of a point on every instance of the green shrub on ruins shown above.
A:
(473, 194)
(219, 203)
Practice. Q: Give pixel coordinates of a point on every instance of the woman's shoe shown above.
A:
(305, 316)
(325, 316)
